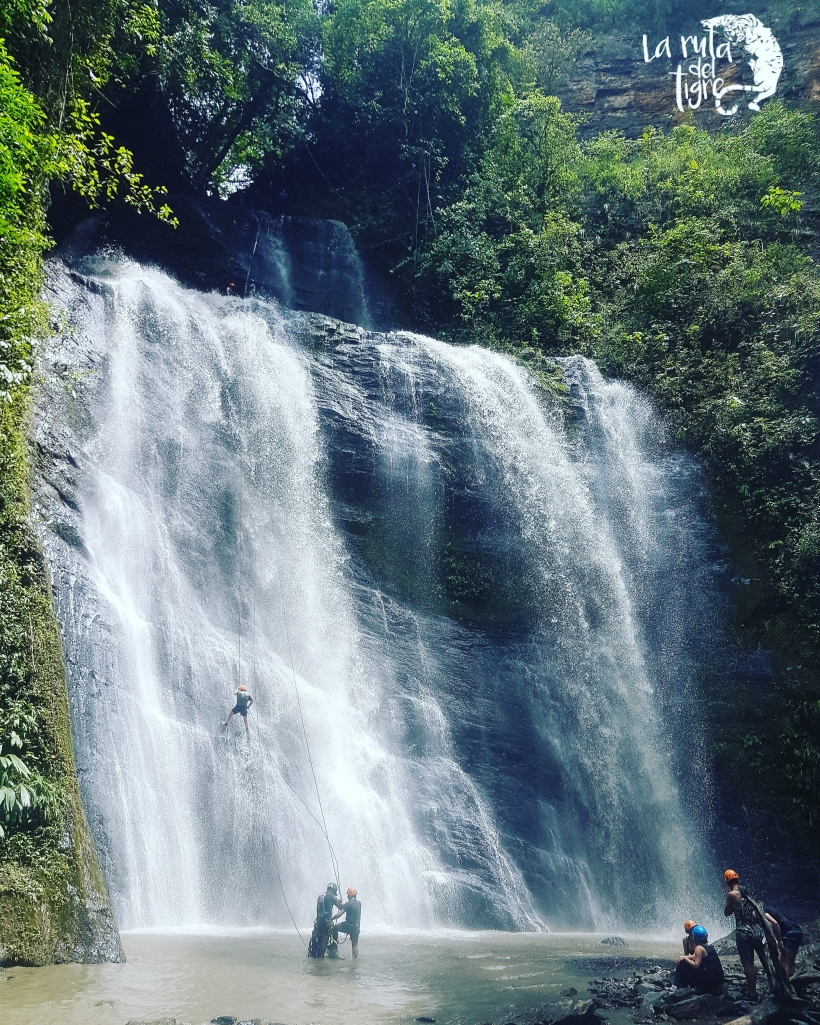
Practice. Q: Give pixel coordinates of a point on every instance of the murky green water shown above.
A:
(462, 979)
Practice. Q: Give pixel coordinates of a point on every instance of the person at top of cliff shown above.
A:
(688, 942)
(748, 931)
(789, 937)
(352, 910)
(243, 703)
(701, 969)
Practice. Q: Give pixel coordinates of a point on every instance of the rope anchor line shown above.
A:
(323, 823)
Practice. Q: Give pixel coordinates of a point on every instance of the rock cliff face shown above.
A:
(615, 88)
(55, 908)
(305, 264)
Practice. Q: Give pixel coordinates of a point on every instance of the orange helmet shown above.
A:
(689, 925)
(730, 875)
(242, 686)
(351, 891)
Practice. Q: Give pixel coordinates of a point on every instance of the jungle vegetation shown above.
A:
(683, 261)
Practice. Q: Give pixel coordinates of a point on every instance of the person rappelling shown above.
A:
(352, 910)
(323, 926)
(243, 703)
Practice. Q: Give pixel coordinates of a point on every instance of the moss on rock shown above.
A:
(54, 904)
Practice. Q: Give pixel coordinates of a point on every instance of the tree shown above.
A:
(230, 72)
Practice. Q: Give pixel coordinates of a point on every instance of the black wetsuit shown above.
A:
(323, 926)
(353, 919)
(325, 906)
(706, 978)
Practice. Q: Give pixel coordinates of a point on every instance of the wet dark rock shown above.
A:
(304, 263)
(696, 1006)
(726, 945)
(425, 1018)
(569, 992)
(614, 941)
(224, 1019)
(568, 1012)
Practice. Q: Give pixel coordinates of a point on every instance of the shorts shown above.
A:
(351, 930)
(236, 710)
(747, 944)
(792, 940)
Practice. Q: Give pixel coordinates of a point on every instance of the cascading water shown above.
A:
(466, 611)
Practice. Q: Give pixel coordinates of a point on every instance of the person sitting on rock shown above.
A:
(789, 936)
(688, 942)
(243, 703)
(701, 969)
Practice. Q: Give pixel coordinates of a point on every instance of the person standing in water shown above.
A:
(243, 703)
(748, 932)
(352, 910)
(701, 969)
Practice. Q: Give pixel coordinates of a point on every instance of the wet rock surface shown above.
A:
(642, 991)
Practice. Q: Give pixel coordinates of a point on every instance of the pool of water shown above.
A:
(457, 978)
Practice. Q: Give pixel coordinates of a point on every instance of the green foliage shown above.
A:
(230, 71)
(408, 90)
(26, 796)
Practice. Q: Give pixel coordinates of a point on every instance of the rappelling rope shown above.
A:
(333, 860)
(253, 684)
(323, 824)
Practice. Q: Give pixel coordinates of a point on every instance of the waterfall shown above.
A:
(469, 612)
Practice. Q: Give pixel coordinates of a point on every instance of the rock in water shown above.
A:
(614, 941)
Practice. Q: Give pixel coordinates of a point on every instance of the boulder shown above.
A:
(725, 945)
(704, 1005)
(614, 941)
(569, 1012)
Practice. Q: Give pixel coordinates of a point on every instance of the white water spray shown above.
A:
(230, 482)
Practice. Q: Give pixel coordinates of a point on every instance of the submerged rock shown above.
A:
(614, 941)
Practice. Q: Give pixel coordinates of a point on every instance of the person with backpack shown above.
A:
(748, 931)
(323, 926)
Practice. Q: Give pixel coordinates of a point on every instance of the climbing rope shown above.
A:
(323, 823)
(333, 860)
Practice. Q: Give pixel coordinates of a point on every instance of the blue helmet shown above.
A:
(699, 935)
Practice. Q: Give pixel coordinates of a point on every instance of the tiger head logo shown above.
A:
(765, 57)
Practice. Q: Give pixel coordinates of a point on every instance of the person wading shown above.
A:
(243, 703)
(352, 911)
(748, 933)
(323, 926)
(701, 969)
